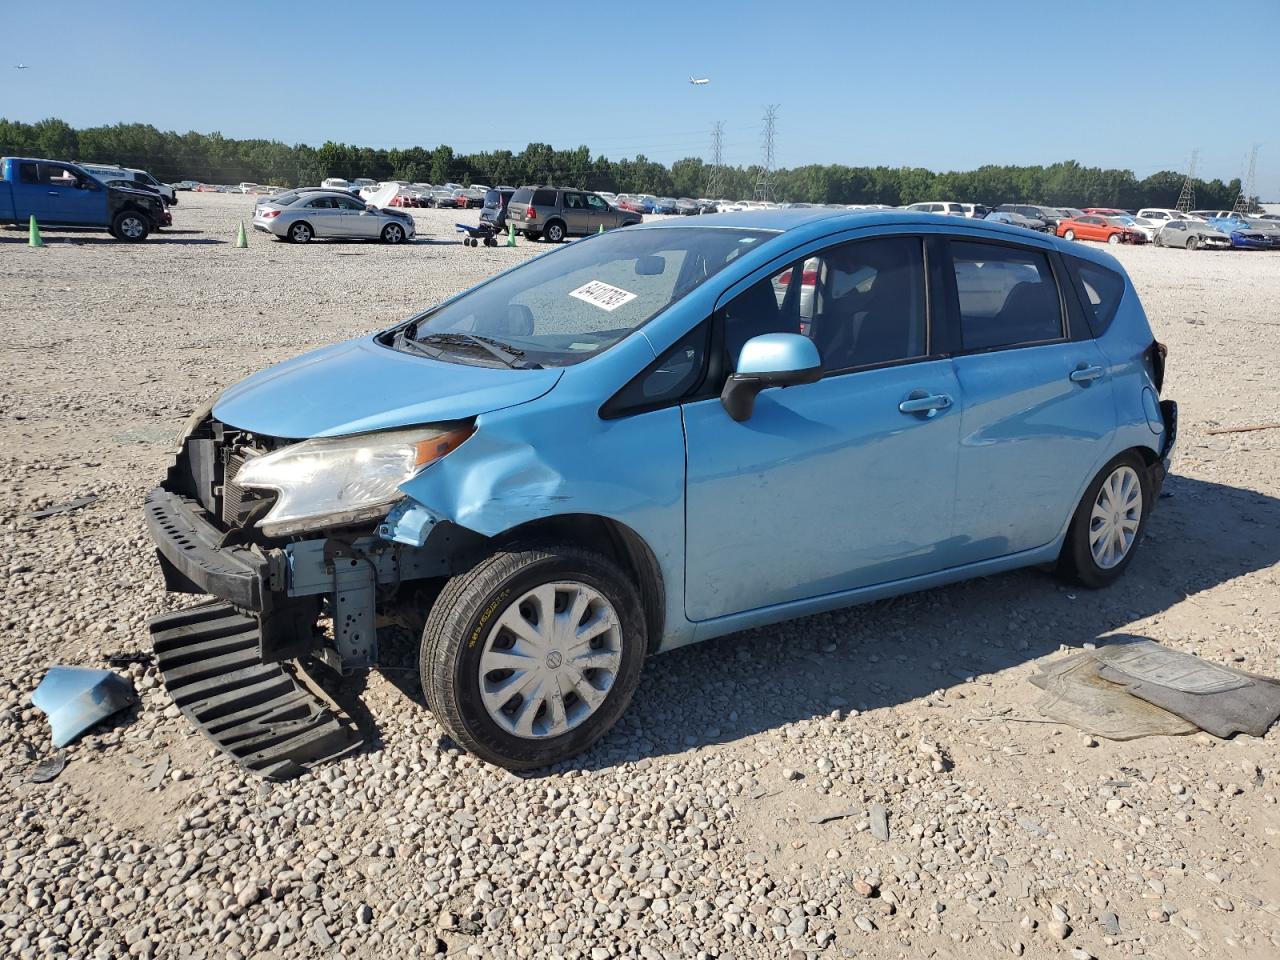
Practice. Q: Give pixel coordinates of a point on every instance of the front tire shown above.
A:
(1108, 524)
(1069, 235)
(130, 226)
(393, 233)
(1193, 243)
(1114, 239)
(532, 655)
(555, 231)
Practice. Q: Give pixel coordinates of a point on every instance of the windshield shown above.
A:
(574, 303)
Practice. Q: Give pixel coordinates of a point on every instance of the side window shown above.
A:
(868, 302)
(56, 176)
(596, 203)
(1101, 289)
(28, 173)
(544, 198)
(573, 201)
(673, 377)
(345, 203)
(1007, 296)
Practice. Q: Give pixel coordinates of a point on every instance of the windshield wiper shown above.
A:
(508, 354)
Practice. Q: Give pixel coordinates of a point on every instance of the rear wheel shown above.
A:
(533, 654)
(392, 233)
(555, 231)
(1108, 523)
(1069, 235)
(300, 232)
(131, 226)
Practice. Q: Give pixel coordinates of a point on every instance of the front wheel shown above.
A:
(131, 226)
(1108, 523)
(555, 231)
(1113, 239)
(1193, 243)
(532, 655)
(1069, 235)
(392, 233)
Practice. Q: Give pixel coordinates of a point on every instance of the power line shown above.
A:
(764, 181)
(1187, 196)
(717, 159)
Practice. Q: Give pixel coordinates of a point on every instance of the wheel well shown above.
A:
(553, 220)
(617, 541)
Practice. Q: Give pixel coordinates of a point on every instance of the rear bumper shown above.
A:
(1160, 468)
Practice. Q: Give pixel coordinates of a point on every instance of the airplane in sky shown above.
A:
(23, 66)
(699, 82)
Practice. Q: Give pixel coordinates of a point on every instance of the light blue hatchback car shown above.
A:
(648, 438)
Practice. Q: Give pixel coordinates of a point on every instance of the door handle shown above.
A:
(1085, 374)
(53, 193)
(929, 404)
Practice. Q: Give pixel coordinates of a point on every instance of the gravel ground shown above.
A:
(958, 830)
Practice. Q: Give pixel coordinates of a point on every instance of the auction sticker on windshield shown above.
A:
(603, 295)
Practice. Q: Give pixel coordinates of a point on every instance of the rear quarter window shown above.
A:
(544, 198)
(1101, 291)
(522, 196)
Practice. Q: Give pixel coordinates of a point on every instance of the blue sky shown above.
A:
(944, 85)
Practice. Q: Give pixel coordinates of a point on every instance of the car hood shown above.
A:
(360, 385)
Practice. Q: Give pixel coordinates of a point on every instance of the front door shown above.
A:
(62, 195)
(1037, 405)
(833, 485)
(357, 220)
(599, 214)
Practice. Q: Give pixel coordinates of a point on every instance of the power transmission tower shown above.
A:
(764, 182)
(1244, 202)
(1187, 196)
(717, 149)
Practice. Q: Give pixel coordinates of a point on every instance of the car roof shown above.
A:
(815, 222)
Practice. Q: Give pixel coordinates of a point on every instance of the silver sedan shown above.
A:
(302, 217)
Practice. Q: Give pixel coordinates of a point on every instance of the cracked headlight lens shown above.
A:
(334, 481)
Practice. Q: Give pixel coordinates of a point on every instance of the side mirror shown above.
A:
(769, 360)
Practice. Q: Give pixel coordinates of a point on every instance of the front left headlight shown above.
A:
(335, 481)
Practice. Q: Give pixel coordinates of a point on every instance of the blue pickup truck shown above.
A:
(62, 194)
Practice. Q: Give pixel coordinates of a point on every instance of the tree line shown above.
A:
(213, 158)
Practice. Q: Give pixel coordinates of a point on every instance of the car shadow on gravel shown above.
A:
(880, 655)
(162, 239)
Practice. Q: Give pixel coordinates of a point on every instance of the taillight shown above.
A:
(809, 278)
(268, 214)
(531, 214)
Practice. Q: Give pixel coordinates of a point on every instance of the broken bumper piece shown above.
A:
(257, 713)
(75, 698)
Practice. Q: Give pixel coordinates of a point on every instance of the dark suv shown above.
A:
(556, 213)
(495, 208)
(1051, 216)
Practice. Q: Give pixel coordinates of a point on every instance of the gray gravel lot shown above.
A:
(699, 826)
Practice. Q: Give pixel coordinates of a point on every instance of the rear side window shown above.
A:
(1100, 289)
(27, 173)
(544, 198)
(1007, 296)
(522, 196)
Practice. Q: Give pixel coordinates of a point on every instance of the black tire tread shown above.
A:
(1075, 562)
(461, 600)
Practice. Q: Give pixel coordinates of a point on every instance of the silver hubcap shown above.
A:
(1117, 511)
(550, 660)
(554, 233)
(300, 232)
(132, 228)
(393, 234)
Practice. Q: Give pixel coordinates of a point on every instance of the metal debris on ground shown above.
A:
(57, 508)
(47, 770)
(1137, 688)
(75, 698)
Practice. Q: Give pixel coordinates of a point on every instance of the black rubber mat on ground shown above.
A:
(259, 713)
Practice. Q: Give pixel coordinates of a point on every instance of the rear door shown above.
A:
(1036, 401)
(324, 216)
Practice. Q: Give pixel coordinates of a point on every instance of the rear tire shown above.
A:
(531, 234)
(466, 634)
(555, 231)
(1084, 558)
(300, 232)
(130, 226)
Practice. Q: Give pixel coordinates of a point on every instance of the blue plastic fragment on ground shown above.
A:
(75, 698)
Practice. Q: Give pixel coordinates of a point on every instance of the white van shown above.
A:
(111, 171)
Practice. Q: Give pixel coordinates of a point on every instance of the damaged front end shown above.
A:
(279, 575)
